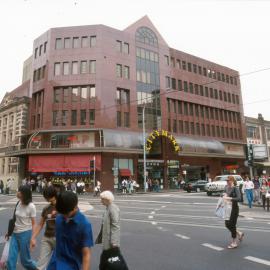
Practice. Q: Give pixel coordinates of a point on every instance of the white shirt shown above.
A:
(248, 185)
(24, 215)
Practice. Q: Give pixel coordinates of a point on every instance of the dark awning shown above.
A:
(124, 172)
(62, 163)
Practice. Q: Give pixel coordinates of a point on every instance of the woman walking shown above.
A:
(20, 239)
(109, 235)
(264, 191)
(232, 194)
(248, 188)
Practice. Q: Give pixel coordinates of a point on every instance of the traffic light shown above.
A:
(249, 154)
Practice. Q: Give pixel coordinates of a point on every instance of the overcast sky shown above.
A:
(235, 34)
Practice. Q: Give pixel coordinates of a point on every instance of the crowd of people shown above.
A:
(68, 237)
(257, 190)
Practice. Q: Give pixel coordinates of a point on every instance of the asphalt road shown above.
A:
(173, 231)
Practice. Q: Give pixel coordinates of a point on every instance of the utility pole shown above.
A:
(144, 150)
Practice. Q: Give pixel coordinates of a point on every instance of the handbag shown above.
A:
(267, 194)
(112, 259)
(11, 223)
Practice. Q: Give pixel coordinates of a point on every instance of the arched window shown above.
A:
(147, 36)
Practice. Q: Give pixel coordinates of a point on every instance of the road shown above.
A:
(174, 231)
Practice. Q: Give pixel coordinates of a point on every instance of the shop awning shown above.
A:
(265, 164)
(62, 163)
(124, 172)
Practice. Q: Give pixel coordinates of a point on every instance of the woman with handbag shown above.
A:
(265, 194)
(25, 214)
(232, 194)
(109, 235)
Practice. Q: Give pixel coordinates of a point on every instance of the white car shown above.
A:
(219, 183)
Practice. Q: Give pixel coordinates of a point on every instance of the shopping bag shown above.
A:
(4, 256)
(220, 211)
(112, 259)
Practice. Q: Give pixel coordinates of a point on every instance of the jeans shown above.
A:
(20, 242)
(46, 250)
(249, 194)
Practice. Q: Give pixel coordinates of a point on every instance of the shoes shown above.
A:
(232, 245)
(240, 236)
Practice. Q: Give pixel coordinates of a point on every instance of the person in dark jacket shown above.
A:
(232, 194)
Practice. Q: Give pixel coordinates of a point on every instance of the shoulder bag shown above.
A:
(11, 223)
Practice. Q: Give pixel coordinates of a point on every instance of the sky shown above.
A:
(235, 34)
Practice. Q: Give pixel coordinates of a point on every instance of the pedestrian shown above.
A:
(248, 188)
(265, 197)
(124, 186)
(1, 186)
(25, 222)
(74, 237)
(256, 190)
(232, 194)
(48, 216)
(97, 188)
(109, 235)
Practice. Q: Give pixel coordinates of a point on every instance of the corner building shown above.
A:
(89, 88)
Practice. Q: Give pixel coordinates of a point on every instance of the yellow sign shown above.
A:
(161, 133)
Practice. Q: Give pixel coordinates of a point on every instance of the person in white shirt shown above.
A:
(248, 189)
(20, 239)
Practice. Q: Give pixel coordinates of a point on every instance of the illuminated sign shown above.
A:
(161, 133)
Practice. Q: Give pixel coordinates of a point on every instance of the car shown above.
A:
(195, 185)
(219, 183)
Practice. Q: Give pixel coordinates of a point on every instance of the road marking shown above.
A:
(249, 218)
(85, 207)
(162, 229)
(150, 217)
(153, 212)
(163, 206)
(153, 223)
(212, 246)
(182, 236)
(257, 260)
(2, 208)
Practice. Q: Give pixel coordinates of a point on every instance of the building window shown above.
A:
(64, 117)
(172, 62)
(126, 72)
(200, 70)
(191, 109)
(189, 67)
(174, 126)
(57, 95)
(38, 121)
(169, 125)
(91, 117)
(55, 118)
(118, 119)
(119, 70)
(201, 90)
(198, 130)
(75, 93)
(184, 65)
(211, 93)
(67, 43)
(83, 67)
(186, 127)
(181, 126)
(57, 69)
(40, 49)
(66, 68)
(180, 85)
(58, 43)
(178, 63)
(83, 117)
(36, 52)
(83, 94)
(168, 82)
(93, 66)
(65, 95)
(203, 129)
(92, 91)
(73, 117)
(75, 43)
(253, 132)
(85, 42)
(93, 41)
(206, 91)
(173, 83)
(126, 119)
(119, 45)
(180, 107)
(268, 134)
(126, 48)
(194, 68)
(185, 86)
(75, 68)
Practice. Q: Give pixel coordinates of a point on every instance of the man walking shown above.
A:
(74, 237)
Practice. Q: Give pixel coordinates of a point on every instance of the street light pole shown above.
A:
(144, 150)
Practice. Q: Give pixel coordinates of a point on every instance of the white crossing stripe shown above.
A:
(150, 217)
(182, 236)
(85, 207)
(2, 208)
(154, 223)
(212, 246)
(153, 212)
(258, 260)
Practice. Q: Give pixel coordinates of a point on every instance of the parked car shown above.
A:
(219, 183)
(195, 185)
